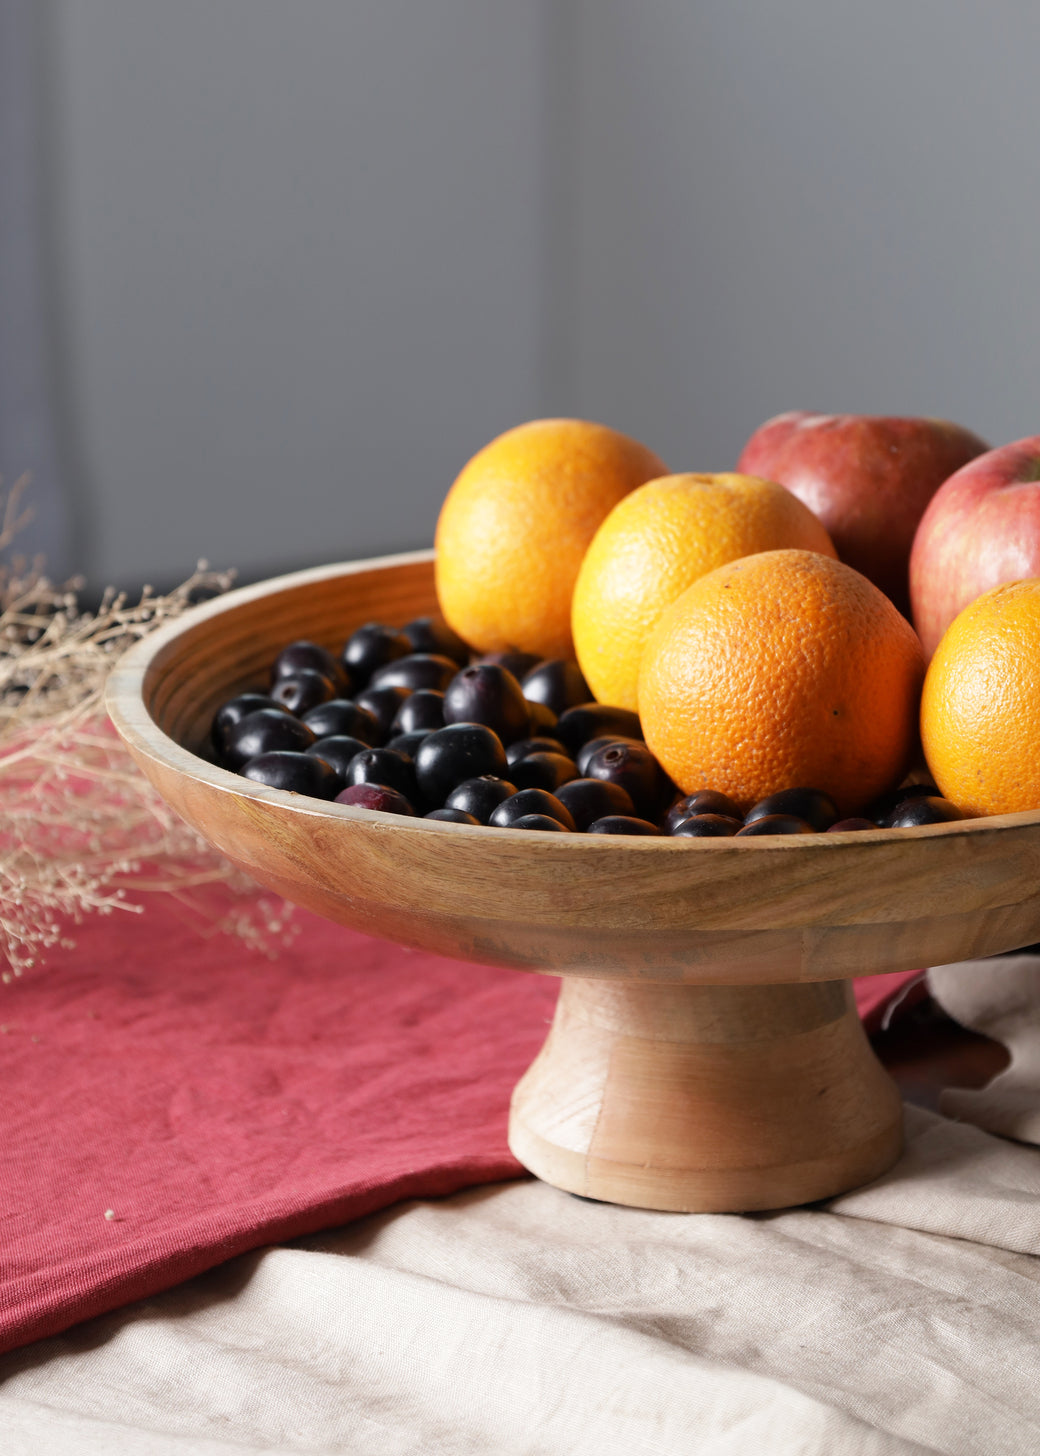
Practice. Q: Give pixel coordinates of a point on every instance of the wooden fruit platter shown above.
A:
(705, 1053)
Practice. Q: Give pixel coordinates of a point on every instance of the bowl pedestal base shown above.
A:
(706, 1099)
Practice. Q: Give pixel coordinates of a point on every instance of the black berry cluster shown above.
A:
(404, 721)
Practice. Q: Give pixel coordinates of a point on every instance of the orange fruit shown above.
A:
(654, 544)
(980, 708)
(516, 524)
(783, 670)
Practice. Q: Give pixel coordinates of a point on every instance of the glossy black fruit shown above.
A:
(383, 766)
(296, 773)
(417, 670)
(338, 751)
(453, 754)
(592, 799)
(383, 704)
(634, 767)
(304, 656)
(930, 810)
(538, 821)
(596, 720)
(234, 710)
(452, 816)
(268, 730)
(525, 746)
(342, 718)
(518, 663)
(706, 826)
(887, 802)
(540, 719)
(846, 826)
(622, 824)
(422, 712)
(372, 647)
(480, 796)
(557, 683)
(531, 801)
(585, 752)
(375, 796)
(407, 743)
(303, 691)
(543, 771)
(432, 634)
(814, 806)
(702, 801)
(486, 693)
(775, 824)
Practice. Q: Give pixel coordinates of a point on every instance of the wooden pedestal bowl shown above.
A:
(705, 1053)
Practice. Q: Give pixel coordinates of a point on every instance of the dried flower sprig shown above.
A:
(81, 830)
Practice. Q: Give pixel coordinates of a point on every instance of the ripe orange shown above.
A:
(980, 709)
(654, 544)
(516, 524)
(783, 670)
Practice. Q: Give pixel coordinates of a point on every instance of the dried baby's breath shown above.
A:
(81, 830)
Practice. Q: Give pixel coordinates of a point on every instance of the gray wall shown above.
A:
(309, 256)
(300, 252)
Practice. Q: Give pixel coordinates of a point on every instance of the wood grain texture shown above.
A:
(677, 913)
(706, 1098)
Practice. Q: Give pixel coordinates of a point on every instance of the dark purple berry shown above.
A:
(702, 801)
(622, 824)
(383, 766)
(591, 799)
(540, 719)
(303, 656)
(452, 816)
(929, 810)
(705, 826)
(480, 796)
(895, 797)
(296, 773)
(486, 693)
(234, 710)
(342, 718)
(634, 767)
(525, 746)
(586, 750)
(375, 796)
(420, 713)
(338, 751)
(847, 826)
(531, 801)
(518, 663)
(453, 754)
(775, 824)
(538, 821)
(372, 647)
(543, 771)
(268, 730)
(417, 670)
(432, 634)
(596, 720)
(303, 691)
(557, 683)
(407, 743)
(814, 806)
(383, 704)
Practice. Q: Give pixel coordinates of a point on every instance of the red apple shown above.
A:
(982, 528)
(867, 477)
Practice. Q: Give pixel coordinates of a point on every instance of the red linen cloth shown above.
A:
(168, 1102)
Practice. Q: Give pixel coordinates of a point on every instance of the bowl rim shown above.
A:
(124, 701)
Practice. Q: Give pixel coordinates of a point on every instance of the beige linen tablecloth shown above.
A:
(904, 1317)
